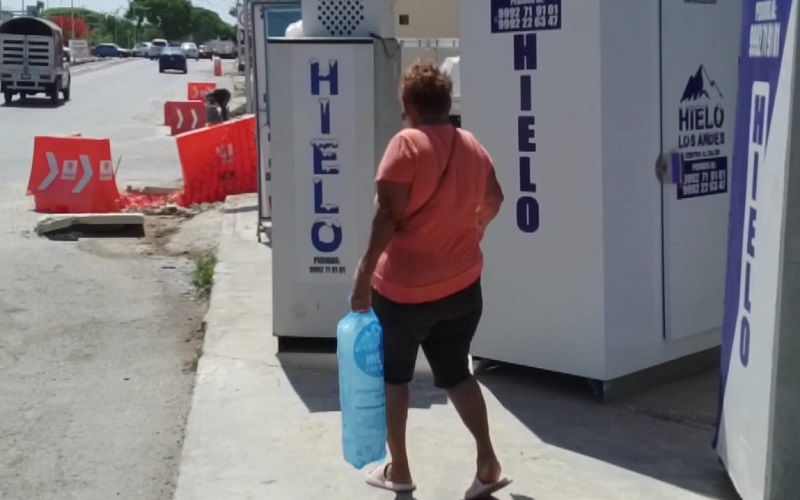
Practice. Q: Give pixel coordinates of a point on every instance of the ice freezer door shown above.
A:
(699, 53)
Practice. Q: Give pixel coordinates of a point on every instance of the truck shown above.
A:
(224, 49)
(33, 60)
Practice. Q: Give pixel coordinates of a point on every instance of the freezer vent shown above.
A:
(340, 17)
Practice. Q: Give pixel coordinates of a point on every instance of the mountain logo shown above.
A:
(699, 86)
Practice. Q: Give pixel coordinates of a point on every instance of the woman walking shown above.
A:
(436, 193)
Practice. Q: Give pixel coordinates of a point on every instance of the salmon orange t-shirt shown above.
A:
(436, 250)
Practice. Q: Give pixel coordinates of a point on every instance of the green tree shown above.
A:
(206, 25)
(171, 17)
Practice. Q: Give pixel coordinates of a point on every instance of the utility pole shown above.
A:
(244, 8)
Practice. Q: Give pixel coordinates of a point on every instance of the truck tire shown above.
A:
(8, 97)
(54, 95)
(66, 93)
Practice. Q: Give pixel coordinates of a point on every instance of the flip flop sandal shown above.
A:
(378, 478)
(481, 490)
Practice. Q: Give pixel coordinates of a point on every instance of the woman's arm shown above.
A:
(394, 178)
(492, 200)
(390, 205)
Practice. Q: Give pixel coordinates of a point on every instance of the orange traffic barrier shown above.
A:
(219, 161)
(198, 91)
(73, 175)
(217, 66)
(183, 116)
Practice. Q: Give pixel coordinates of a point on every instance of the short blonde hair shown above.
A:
(426, 88)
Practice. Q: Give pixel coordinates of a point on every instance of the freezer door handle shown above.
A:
(669, 168)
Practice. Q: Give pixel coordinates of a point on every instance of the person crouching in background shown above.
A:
(217, 106)
(213, 111)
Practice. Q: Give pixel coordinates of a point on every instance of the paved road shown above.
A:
(96, 343)
(123, 102)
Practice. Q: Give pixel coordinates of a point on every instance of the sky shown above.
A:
(221, 7)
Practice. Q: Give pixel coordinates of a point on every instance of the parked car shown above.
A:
(156, 46)
(191, 51)
(203, 52)
(141, 49)
(109, 50)
(172, 58)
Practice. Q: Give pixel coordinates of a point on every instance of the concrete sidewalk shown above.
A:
(266, 426)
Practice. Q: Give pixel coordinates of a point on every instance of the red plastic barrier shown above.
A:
(219, 161)
(183, 116)
(198, 91)
(73, 175)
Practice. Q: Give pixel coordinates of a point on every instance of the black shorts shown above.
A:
(444, 328)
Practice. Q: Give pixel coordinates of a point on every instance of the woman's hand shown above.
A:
(361, 297)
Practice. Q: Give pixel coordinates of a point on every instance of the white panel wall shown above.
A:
(543, 291)
(631, 129)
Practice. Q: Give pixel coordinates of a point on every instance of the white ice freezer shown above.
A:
(595, 266)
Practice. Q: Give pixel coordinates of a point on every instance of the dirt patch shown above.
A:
(189, 235)
(159, 231)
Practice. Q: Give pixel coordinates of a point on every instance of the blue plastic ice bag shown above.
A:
(359, 350)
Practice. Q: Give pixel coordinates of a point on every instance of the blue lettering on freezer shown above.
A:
(701, 137)
(525, 52)
(325, 157)
(327, 234)
(331, 77)
(761, 50)
(756, 151)
(325, 116)
(524, 18)
(510, 16)
(525, 60)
